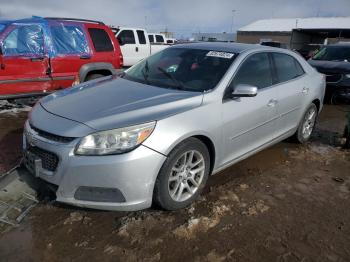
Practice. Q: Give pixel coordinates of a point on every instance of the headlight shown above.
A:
(115, 141)
(347, 75)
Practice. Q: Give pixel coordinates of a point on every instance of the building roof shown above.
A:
(288, 24)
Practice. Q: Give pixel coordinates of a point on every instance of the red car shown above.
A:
(41, 55)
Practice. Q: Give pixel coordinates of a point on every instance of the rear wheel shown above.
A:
(307, 124)
(183, 175)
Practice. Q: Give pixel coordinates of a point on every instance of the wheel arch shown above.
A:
(96, 68)
(317, 103)
(206, 140)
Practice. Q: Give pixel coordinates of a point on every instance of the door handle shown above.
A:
(272, 103)
(85, 57)
(305, 90)
(136, 49)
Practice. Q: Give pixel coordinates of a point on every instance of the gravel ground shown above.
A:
(287, 203)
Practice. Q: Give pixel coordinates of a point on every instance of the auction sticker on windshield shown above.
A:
(220, 54)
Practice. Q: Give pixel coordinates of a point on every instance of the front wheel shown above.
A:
(307, 124)
(183, 175)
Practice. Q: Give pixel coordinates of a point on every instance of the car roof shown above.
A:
(42, 20)
(223, 47)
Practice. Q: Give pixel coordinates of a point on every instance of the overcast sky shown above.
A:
(183, 17)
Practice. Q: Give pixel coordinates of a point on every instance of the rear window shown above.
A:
(151, 38)
(101, 40)
(142, 38)
(287, 67)
(159, 39)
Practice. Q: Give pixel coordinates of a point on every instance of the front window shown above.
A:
(182, 68)
(255, 71)
(333, 53)
(24, 40)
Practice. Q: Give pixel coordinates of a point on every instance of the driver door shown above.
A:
(24, 64)
(250, 122)
(128, 46)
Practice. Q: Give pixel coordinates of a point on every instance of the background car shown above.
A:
(334, 62)
(41, 55)
(309, 50)
(136, 44)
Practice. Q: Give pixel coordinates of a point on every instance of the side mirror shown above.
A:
(244, 91)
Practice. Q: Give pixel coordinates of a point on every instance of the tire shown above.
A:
(303, 135)
(93, 76)
(176, 174)
(347, 137)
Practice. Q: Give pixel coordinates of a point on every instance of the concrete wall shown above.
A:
(257, 37)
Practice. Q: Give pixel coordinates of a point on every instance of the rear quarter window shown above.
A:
(100, 40)
(287, 67)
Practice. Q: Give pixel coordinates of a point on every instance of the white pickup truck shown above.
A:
(135, 45)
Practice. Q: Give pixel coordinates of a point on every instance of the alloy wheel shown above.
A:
(186, 175)
(309, 123)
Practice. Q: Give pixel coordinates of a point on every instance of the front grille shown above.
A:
(333, 78)
(49, 160)
(52, 137)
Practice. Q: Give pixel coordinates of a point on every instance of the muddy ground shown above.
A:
(287, 203)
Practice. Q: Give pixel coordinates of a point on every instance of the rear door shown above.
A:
(128, 46)
(70, 51)
(25, 63)
(103, 48)
(292, 90)
(250, 122)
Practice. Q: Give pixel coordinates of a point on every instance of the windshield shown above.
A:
(182, 68)
(333, 53)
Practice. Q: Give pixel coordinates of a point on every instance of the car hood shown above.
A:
(113, 102)
(336, 67)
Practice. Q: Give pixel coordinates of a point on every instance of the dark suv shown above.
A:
(334, 62)
(41, 55)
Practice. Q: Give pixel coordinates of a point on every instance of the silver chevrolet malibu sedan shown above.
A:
(154, 133)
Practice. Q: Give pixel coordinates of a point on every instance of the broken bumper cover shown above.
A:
(117, 182)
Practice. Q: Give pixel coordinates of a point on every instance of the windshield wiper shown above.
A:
(179, 84)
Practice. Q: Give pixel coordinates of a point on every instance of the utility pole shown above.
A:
(233, 17)
(146, 22)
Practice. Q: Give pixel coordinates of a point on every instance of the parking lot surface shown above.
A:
(287, 203)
